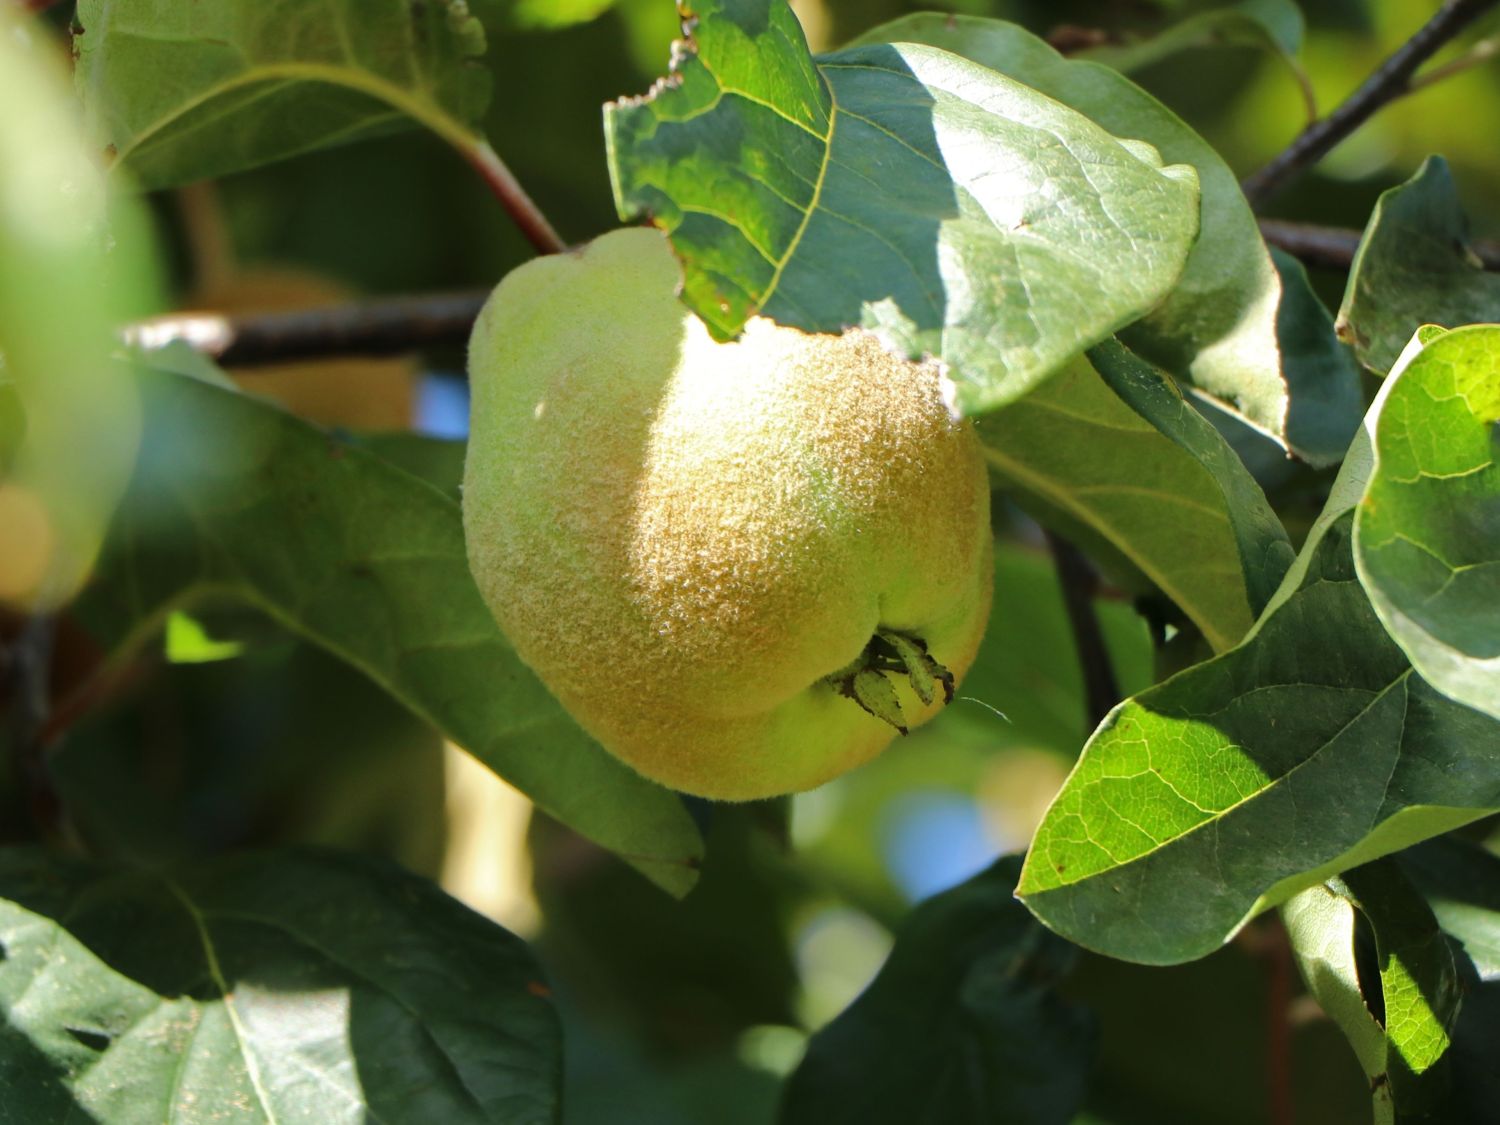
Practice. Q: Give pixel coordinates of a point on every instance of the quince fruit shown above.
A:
(743, 567)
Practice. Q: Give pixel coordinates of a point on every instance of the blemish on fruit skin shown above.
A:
(538, 989)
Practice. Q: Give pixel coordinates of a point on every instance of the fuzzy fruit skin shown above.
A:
(684, 537)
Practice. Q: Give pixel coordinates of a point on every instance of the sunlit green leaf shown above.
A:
(1414, 267)
(1110, 453)
(271, 987)
(1310, 748)
(957, 211)
(1427, 536)
(235, 497)
(1400, 1022)
(1256, 340)
(182, 92)
(963, 1023)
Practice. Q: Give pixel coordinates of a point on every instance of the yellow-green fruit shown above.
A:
(685, 538)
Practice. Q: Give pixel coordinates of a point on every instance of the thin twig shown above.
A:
(1080, 582)
(391, 325)
(1391, 80)
(1477, 55)
(1334, 247)
(520, 206)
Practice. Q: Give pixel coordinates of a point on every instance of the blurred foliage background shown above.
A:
(689, 1012)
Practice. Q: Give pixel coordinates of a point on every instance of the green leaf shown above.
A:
(1427, 533)
(438, 461)
(957, 211)
(237, 498)
(184, 92)
(1273, 26)
(1110, 454)
(557, 13)
(73, 264)
(188, 642)
(1259, 343)
(12, 424)
(1401, 1021)
(1461, 882)
(963, 1023)
(272, 987)
(1310, 748)
(1414, 267)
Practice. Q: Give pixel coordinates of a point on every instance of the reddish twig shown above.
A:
(520, 206)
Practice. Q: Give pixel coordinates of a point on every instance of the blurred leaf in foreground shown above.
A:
(73, 265)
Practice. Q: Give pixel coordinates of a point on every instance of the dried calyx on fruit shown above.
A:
(742, 566)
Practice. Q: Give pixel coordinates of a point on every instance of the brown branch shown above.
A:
(392, 325)
(1080, 582)
(387, 326)
(1391, 80)
(1333, 247)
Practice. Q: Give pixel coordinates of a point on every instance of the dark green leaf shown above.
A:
(235, 497)
(1400, 1021)
(963, 1023)
(1324, 399)
(1273, 26)
(1414, 267)
(1259, 343)
(272, 987)
(438, 461)
(183, 92)
(1110, 453)
(1310, 748)
(1427, 534)
(958, 211)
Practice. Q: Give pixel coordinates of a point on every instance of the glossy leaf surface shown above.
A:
(1244, 330)
(955, 210)
(1427, 535)
(270, 987)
